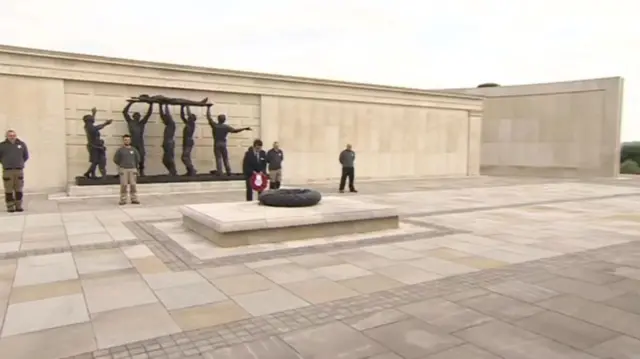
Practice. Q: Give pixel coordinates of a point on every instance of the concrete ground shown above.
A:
(481, 268)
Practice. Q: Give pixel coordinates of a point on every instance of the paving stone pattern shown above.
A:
(481, 268)
(69, 248)
(173, 254)
(386, 308)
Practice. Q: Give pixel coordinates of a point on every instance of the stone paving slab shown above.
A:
(554, 335)
(510, 278)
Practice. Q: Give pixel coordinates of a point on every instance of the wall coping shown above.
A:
(68, 56)
(596, 84)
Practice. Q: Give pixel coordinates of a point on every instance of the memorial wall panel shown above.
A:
(553, 129)
(390, 141)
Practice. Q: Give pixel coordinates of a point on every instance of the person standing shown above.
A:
(347, 160)
(128, 160)
(254, 161)
(13, 156)
(275, 156)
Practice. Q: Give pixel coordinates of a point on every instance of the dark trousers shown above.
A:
(98, 160)
(249, 189)
(13, 181)
(186, 159)
(100, 165)
(275, 178)
(347, 173)
(222, 157)
(168, 158)
(274, 185)
(143, 154)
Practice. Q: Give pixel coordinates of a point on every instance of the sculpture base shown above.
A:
(247, 223)
(204, 177)
(113, 190)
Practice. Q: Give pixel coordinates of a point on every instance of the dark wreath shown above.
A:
(298, 197)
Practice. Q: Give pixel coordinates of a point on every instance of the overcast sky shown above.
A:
(416, 43)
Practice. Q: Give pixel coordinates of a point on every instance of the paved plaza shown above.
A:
(484, 268)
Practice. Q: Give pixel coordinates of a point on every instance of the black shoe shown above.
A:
(135, 202)
(11, 210)
(341, 191)
(353, 191)
(19, 209)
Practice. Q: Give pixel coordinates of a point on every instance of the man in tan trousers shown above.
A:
(127, 158)
(275, 157)
(13, 156)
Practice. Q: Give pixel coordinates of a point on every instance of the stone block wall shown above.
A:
(567, 129)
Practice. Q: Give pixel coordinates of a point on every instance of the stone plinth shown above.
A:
(244, 223)
(155, 188)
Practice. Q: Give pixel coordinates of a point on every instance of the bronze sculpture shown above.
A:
(189, 120)
(95, 145)
(168, 143)
(164, 100)
(136, 125)
(220, 130)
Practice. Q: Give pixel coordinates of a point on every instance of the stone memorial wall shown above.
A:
(396, 132)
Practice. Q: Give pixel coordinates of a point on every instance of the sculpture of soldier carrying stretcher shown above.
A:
(164, 100)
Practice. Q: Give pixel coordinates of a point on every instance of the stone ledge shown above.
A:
(155, 188)
(243, 216)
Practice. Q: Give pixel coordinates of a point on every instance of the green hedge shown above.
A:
(630, 158)
(630, 167)
(630, 151)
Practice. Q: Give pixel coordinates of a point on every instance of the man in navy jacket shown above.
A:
(254, 161)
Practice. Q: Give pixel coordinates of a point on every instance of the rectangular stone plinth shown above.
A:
(244, 223)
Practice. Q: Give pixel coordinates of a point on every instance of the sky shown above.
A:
(430, 44)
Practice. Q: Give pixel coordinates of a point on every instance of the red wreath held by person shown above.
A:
(259, 181)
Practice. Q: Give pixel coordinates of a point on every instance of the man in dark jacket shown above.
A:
(254, 161)
(275, 156)
(347, 160)
(13, 156)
